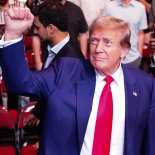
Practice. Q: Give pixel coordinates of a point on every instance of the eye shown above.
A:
(94, 41)
(107, 42)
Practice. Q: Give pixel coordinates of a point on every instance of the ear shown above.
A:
(124, 52)
(51, 29)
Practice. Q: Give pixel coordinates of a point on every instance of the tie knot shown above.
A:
(49, 48)
(108, 79)
(51, 52)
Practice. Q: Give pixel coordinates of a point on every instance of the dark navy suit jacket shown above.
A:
(68, 50)
(68, 86)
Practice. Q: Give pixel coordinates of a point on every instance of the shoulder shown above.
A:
(138, 4)
(68, 63)
(71, 50)
(72, 5)
(138, 75)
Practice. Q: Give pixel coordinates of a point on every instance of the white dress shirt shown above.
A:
(118, 125)
(10, 42)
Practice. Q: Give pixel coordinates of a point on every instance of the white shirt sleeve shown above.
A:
(8, 43)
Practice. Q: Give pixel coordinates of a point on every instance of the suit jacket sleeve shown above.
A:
(17, 76)
(22, 81)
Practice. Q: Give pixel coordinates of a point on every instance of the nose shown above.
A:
(100, 47)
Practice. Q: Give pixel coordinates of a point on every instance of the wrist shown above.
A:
(11, 35)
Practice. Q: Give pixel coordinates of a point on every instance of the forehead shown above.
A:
(106, 33)
(37, 21)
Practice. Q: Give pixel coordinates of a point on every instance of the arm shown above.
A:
(83, 39)
(36, 45)
(18, 78)
(83, 33)
(146, 4)
(140, 42)
(151, 15)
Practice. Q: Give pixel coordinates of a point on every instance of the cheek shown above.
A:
(114, 57)
(42, 34)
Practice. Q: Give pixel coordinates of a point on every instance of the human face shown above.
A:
(106, 51)
(40, 29)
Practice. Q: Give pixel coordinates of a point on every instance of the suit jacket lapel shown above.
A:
(85, 93)
(46, 55)
(131, 106)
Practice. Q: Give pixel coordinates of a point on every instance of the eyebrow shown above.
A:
(101, 37)
(97, 37)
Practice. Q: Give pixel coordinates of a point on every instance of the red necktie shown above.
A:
(103, 128)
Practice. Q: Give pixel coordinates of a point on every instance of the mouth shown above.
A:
(99, 59)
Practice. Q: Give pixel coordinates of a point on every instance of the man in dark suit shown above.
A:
(72, 88)
(51, 24)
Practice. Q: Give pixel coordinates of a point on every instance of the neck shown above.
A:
(126, 2)
(58, 37)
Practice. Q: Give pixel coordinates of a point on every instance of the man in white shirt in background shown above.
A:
(134, 13)
(91, 8)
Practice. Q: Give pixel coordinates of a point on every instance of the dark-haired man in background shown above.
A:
(76, 26)
(51, 24)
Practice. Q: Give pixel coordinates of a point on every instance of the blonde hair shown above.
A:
(111, 23)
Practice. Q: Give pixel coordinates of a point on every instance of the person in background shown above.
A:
(77, 107)
(146, 48)
(91, 9)
(33, 3)
(152, 37)
(1, 99)
(134, 13)
(147, 4)
(152, 14)
(77, 26)
(54, 31)
(35, 39)
(38, 51)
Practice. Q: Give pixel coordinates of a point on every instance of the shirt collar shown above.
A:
(132, 3)
(117, 76)
(55, 49)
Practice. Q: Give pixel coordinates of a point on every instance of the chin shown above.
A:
(100, 67)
